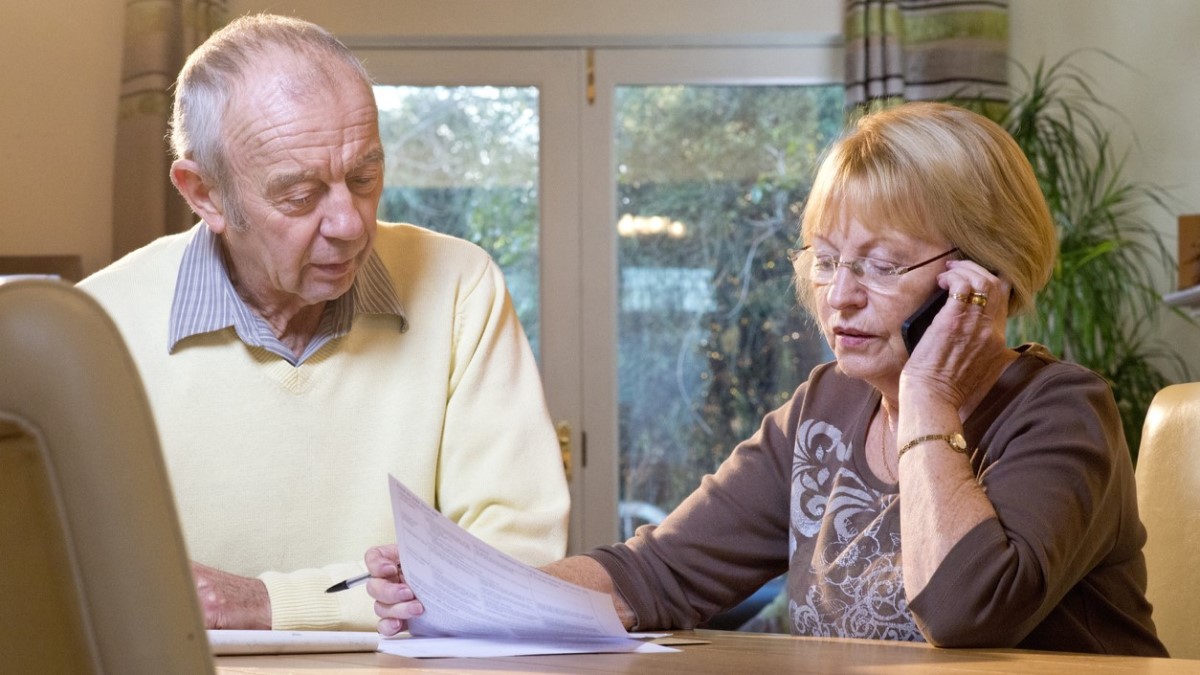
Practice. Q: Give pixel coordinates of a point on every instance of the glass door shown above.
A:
(483, 144)
(707, 157)
(463, 160)
(709, 182)
(640, 203)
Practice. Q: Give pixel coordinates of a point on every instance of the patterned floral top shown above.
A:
(845, 535)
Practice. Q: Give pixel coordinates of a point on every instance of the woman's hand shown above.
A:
(964, 350)
(395, 602)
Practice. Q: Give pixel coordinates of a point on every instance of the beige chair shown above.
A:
(1168, 483)
(94, 577)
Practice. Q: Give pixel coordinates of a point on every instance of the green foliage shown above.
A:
(1102, 300)
(696, 378)
(464, 161)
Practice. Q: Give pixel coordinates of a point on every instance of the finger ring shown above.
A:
(979, 299)
(962, 297)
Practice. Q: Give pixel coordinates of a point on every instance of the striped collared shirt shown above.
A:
(205, 301)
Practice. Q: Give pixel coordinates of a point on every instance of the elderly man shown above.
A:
(295, 351)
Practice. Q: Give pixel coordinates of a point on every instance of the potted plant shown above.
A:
(1102, 301)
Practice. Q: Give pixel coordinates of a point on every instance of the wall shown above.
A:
(565, 22)
(62, 69)
(1157, 92)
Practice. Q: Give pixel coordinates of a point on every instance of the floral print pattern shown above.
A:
(846, 575)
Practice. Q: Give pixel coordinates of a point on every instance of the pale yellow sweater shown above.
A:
(280, 472)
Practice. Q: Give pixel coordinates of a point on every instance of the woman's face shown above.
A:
(861, 320)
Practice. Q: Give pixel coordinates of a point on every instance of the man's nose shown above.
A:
(341, 219)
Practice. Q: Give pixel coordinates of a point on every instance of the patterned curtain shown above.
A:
(922, 50)
(159, 35)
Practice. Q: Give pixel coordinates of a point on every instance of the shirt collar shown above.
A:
(205, 301)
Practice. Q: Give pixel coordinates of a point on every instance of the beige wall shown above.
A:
(62, 65)
(58, 110)
(565, 22)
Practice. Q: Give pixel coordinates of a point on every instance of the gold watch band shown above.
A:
(954, 440)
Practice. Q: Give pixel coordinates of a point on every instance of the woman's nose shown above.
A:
(845, 290)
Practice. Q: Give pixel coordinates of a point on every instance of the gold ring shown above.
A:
(962, 297)
(979, 299)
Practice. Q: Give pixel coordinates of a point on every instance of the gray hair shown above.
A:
(211, 73)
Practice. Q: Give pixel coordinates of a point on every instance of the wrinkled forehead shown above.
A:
(290, 122)
(304, 75)
(289, 88)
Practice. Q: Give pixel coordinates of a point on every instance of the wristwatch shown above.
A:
(954, 440)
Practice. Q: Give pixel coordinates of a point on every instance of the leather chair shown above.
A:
(94, 576)
(1168, 483)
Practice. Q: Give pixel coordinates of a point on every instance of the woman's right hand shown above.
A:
(395, 602)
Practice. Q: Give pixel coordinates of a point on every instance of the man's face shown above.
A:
(306, 157)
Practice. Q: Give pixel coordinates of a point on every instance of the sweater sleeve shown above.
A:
(500, 473)
(1056, 471)
(299, 600)
(724, 541)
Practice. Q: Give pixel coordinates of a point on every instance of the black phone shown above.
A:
(915, 325)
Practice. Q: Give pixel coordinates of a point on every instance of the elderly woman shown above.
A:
(963, 493)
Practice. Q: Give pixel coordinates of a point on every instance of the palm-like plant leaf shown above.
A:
(1102, 297)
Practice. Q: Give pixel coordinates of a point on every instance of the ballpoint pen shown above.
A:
(348, 583)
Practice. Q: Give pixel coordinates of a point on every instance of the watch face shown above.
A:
(957, 442)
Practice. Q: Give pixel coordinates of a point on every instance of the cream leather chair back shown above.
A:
(1168, 483)
(94, 577)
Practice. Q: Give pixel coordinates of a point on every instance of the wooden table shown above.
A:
(730, 652)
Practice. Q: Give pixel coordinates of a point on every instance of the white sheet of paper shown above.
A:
(478, 647)
(470, 589)
(223, 642)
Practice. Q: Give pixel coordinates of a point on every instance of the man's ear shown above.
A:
(204, 199)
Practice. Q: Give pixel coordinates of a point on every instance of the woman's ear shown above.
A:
(204, 199)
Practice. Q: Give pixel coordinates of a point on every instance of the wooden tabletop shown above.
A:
(729, 652)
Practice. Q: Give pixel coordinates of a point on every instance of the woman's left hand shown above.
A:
(964, 348)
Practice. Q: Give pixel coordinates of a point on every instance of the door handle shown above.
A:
(563, 429)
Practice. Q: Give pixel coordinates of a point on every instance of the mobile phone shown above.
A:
(915, 325)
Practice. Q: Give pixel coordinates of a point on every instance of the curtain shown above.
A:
(922, 50)
(159, 35)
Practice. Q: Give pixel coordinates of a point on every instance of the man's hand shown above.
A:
(395, 603)
(231, 602)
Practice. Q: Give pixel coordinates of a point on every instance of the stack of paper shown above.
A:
(481, 602)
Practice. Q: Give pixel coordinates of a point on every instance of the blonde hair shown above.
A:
(935, 170)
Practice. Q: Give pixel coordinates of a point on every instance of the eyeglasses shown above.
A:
(875, 274)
